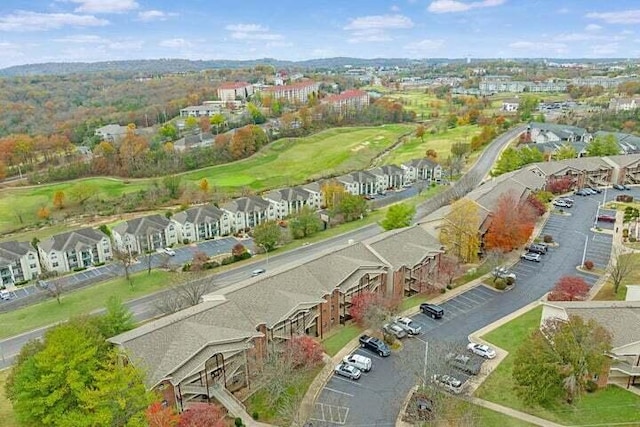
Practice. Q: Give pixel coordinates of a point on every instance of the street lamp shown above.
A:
(586, 241)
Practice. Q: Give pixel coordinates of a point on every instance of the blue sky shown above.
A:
(99, 30)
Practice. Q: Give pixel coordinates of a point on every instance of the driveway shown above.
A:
(377, 399)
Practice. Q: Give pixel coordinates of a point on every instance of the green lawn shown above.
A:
(83, 301)
(6, 410)
(461, 412)
(338, 339)
(607, 294)
(605, 407)
(286, 162)
(423, 104)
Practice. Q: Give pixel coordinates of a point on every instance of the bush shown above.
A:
(185, 241)
(632, 239)
(443, 290)
(500, 284)
(98, 264)
(548, 238)
(449, 287)
(238, 422)
(79, 268)
(209, 265)
(588, 264)
(591, 386)
(186, 266)
(510, 281)
(625, 233)
(228, 260)
(255, 415)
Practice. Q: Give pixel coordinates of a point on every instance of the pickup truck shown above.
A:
(395, 330)
(411, 327)
(375, 345)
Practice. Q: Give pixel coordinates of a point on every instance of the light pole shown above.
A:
(584, 252)
(424, 368)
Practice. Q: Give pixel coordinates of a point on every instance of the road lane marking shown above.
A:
(338, 391)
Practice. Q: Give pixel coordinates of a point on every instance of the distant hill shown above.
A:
(163, 66)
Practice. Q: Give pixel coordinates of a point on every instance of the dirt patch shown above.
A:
(419, 409)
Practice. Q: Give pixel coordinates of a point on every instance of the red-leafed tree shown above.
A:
(361, 304)
(159, 416)
(303, 351)
(538, 206)
(448, 269)
(511, 224)
(569, 288)
(560, 185)
(203, 415)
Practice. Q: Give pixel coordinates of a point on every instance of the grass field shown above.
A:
(288, 161)
(607, 294)
(605, 407)
(423, 104)
(6, 410)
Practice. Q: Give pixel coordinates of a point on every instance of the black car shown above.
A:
(375, 345)
(618, 187)
(436, 312)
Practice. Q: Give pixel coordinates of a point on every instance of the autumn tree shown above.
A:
(58, 199)
(126, 260)
(511, 223)
(267, 235)
(560, 359)
(239, 251)
(621, 267)
(203, 415)
(157, 415)
(431, 154)
(566, 151)
(560, 185)
(82, 191)
(460, 230)
(43, 213)
(304, 223)
(569, 288)
(448, 269)
(361, 303)
(332, 192)
(303, 350)
(398, 216)
(204, 186)
(420, 131)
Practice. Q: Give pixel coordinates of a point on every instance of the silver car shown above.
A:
(349, 371)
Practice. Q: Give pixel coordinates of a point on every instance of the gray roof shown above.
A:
(164, 345)
(421, 163)
(586, 164)
(112, 129)
(359, 176)
(288, 194)
(628, 143)
(621, 318)
(13, 251)
(84, 238)
(143, 226)
(387, 170)
(563, 131)
(246, 204)
(199, 215)
(315, 186)
(406, 246)
(624, 160)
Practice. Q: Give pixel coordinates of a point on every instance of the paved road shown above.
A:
(377, 397)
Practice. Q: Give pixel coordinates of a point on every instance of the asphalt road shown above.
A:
(377, 397)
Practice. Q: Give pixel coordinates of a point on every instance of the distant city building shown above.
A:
(349, 99)
(510, 104)
(231, 91)
(295, 92)
(209, 108)
(624, 104)
(111, 132)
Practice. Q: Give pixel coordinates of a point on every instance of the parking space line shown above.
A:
(335, 377)
(456, 301)
(465, 298)
(338, 391)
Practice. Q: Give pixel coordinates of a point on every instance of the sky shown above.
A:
(37, 31)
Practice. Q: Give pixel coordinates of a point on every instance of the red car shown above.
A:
(606, 218)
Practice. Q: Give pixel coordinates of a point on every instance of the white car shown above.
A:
(169, 251)
(408, 325)
(448, 382)
(258, 271)
(481, 350)
(361, 362)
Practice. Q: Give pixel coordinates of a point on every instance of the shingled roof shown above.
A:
(13, 251)
(406, 246)
(246, 204)
(84, 238)
(288, 194)
(199, 214)
(143, 226)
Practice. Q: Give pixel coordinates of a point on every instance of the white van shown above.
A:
(4, 295)
(361, 362)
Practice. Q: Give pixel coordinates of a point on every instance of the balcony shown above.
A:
(626, 368)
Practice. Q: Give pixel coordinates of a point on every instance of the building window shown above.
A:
(54, 264)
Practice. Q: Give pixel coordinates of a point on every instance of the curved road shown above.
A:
(144, 308)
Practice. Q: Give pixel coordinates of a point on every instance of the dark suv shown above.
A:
(436, 312)
(537, 248)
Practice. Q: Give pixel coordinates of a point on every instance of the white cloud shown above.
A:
(395, 8)
(247, 28)
(622, 17)
(369, 36)
(593, 27)
(379, 22)
(105, 6)
(604, 49)
(23, 21)
(175, 43)
(81, 39)
(323, 53)
(449, 6)
(424, 47)
(256, 36)
(154, 15)
(101, 42)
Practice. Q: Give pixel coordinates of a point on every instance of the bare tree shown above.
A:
(124, 257)
(622, 265)
(186, 294)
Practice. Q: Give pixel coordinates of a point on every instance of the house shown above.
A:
(316, 195)
(353, 99)
(232, 91)
(626, 168)
(247, 212)
(75, 249)
(624, 104)
(359, 183)
(388, 177)
(18, 263)
(298, 92)
(622, 320)
(112, 132)
(629, 144)
(148, 233)
(510, 105)
(214, 348)
(422, 170)
(582, 171)
(290, 200)
(551, 132)
(202, 223)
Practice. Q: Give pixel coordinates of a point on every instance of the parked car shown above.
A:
(448, 382)
(567, 200)
(481, 350)
(5, 296)
(169, 251)
(436, 312)
(257, 272)
(581, 193)
(531, 256)
(618, 187)
(537, 248)
(349, 371)
(375, 345)
(595, 189)
(411, 327)
(357, 360)
(606, 218)
(395, 330)
(589, 191)
(463, 363)
(626, 187)
(503, 273)
(561, 204)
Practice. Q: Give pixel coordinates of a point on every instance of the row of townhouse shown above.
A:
(215, 348)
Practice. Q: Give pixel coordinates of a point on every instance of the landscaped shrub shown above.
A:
(443, 290)
(588, 264)
(228, 260)
(185, 241)
(210, 264)
(625, 233)
(98, 264)
(238, 422)
(500, 284)
(186, 266)
(632, 239)
(255, 415)
(510, 281)
(548, 238)
(591, 386)
(79, 268)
